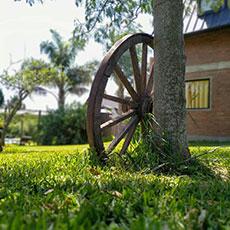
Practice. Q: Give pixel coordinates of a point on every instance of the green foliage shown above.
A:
(66, 125)
(215, 5)
(144, 150)
(58, 188)
(80, 76)
(30, 125)
(31, 2)
(102, 17)
(62, 54)
(32, 74)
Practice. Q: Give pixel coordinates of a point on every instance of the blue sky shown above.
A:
(23, 28)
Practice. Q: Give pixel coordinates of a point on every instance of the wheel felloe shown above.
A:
(134, 107)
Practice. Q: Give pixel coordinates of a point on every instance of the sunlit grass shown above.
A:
(60, 187)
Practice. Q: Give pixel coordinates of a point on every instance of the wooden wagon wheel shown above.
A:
(140, 94)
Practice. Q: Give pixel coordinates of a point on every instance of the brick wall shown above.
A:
(202, 49)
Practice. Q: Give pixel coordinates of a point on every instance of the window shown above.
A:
(198, 94)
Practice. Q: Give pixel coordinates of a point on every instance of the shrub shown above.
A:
(29, 125)
(63, 126)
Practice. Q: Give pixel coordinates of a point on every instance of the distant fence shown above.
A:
(28, 111)
(12, 140)
(24, 139)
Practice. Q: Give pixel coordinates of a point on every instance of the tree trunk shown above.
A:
(169, 74)
(22, 129)
(8, 118)
(120, 93)
(61, 96)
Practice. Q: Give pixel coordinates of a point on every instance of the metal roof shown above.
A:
(209, 20)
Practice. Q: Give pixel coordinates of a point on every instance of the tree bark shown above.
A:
(22, 129)
(169, 74)
(61, 96)
(120, 94)
(8, 119)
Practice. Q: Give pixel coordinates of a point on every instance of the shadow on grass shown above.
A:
(198, 192)
(210, 163)
(196, 169)
(208, 143)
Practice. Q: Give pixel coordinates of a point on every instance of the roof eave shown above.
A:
(212, 29)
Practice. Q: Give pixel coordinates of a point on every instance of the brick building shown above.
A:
(207, 47)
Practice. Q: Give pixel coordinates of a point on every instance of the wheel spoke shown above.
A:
(123, 132)
(132, 108)
(117, 119)
(126, 83)
(144, 64)
(129, 138)
(120, 100)
(149, 87)
(136, 70)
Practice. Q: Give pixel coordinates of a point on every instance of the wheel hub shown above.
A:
(135, 107)
(145, 106)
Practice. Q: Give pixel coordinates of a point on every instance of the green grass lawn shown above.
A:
(59, 188)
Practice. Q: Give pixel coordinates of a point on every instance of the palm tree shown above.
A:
(62, 54)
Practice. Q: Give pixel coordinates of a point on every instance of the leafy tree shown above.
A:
(102, 16)
(169, 97)
(10, 103)
(30, 77)
(169, 54)
(68, 79)
(29, 126)
(169, 70)
(66, 125)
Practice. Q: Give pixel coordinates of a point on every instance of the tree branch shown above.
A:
(98, 15)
